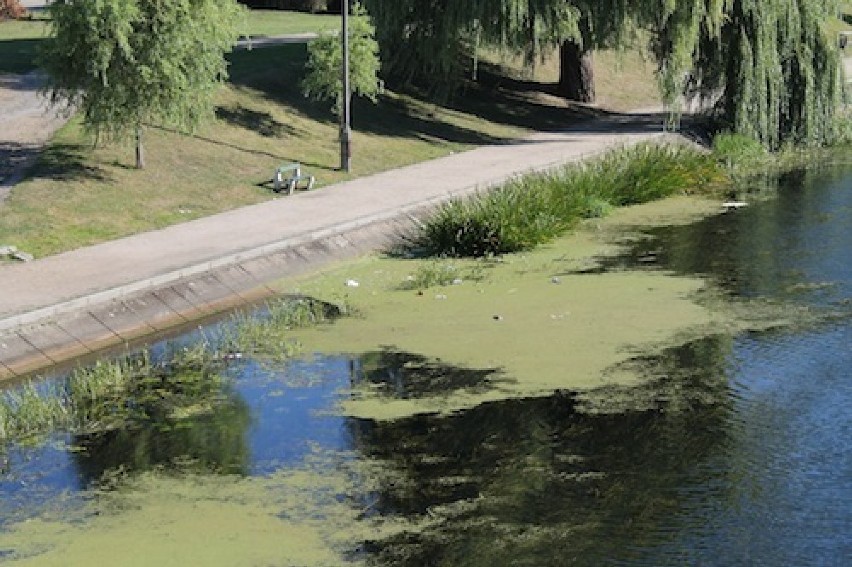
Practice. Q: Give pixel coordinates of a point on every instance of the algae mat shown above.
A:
(544, 320)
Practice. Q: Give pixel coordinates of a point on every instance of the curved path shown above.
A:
(62, 306)
(26, 124)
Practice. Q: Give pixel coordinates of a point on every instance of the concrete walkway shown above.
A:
(74, 303)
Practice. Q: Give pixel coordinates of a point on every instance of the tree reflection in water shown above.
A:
(550, 481)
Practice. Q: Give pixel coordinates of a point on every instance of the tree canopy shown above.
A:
(127, 63)
(325, 59)
(768, 64)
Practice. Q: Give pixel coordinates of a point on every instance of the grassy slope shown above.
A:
(78, 195)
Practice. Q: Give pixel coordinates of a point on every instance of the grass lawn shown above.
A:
(19, 43)
(277, 22)
(78, 195)
(19, 40)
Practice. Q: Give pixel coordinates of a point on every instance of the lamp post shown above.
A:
(345, 116)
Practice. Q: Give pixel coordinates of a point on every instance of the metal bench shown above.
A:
(288, 176)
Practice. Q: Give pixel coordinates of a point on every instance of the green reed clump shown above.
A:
(29, 411)
(738, 150)
(112, 393)
(268, 334)
(534, 209)
(138, 387)
(441, 272)
(135, 387)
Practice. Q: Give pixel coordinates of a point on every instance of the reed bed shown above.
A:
(534, 209)
(138, 387)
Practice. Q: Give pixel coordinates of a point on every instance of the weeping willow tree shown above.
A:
(767, 65)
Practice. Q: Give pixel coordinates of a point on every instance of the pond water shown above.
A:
(737, 453)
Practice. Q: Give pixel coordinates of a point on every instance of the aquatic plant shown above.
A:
(141, 387)
(738, 150)
(268, 333)
(441, 272)
(534, 209)
(32, 409)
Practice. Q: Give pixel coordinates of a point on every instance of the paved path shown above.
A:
(73, 303)
(26, 124)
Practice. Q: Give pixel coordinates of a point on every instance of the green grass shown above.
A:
(88, 195)
(280, 22)
(537, 208)
(114, 393)
(19, 42)
(268, 334)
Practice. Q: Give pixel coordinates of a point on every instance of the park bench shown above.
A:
(288, 176)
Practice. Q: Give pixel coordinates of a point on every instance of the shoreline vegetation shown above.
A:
(522, 215)
(460, 242)
(143, 386)
(263, 106)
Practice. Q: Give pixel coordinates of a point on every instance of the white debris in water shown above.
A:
(352, 283)
(733, 205)
(440, 296)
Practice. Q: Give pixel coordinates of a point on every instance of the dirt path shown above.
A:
(26, 124)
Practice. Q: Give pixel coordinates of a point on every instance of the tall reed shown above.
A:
(139, 386)
(534, 209)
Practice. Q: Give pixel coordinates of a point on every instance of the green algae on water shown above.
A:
(531, 316)
(230, 521)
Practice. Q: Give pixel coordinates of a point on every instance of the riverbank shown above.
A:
(537, 322)
(78, 302)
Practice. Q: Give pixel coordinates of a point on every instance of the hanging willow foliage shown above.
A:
(768, 64)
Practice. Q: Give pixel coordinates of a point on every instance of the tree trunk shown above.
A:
(140, 150)
(576, 73)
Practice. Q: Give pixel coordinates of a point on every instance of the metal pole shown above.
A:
(346, 109)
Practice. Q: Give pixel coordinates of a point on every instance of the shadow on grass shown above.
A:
(57, 161)
(18, 55)
(277, 71)
(261, 122)
(234, 146)
(67, 162)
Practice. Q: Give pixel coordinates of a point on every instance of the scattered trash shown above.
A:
(457, 281)
(23, 256)
(555, 280)
(352, 283)
(498, 317)
(440, 296)
(233, 356)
